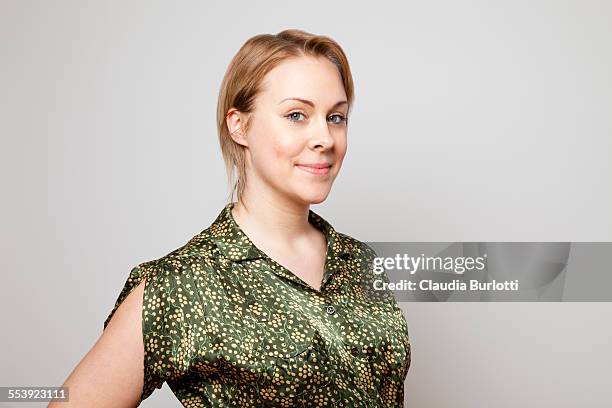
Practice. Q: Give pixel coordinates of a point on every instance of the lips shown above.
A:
(315, 168)
(314, 165)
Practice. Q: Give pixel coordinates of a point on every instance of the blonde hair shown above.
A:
(243, 78)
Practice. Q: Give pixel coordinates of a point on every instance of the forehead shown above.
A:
(313, 78)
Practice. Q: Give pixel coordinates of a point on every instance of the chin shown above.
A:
(318, 200)
(313, 197)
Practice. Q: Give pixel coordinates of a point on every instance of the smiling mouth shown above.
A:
(314, 170)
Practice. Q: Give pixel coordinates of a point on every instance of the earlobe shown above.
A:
(238, 136)
(235, 126)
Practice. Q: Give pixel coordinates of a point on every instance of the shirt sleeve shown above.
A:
(166, 336)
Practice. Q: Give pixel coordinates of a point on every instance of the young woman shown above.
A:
(269, 305)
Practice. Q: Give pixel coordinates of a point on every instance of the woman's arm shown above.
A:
(111, 374)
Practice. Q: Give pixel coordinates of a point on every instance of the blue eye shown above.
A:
(340, 120)
(292, 116)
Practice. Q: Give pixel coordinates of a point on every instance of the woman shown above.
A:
(269, 305)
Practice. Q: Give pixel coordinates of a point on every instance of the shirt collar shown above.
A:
(237, 246)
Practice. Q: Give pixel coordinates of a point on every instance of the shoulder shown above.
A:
(172, 266)
(365, 265)
(180, 268)
(356, 248)
(194, 265)
(201, 247)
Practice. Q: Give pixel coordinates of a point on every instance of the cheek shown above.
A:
(343, 145)
(285, 147)
(341, 148)
(274, 147)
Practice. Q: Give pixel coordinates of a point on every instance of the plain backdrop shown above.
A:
(473, 121)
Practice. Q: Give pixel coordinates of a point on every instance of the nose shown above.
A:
(321, 135)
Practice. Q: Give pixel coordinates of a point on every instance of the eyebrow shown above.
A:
(307, 102)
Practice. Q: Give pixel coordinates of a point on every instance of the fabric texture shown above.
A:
(227, 326)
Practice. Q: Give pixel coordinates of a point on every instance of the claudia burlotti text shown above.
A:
(410, 265)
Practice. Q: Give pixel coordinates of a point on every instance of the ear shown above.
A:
(236, 122)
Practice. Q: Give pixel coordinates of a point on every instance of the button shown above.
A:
(331, 310)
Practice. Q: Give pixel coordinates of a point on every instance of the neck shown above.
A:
(269, 216)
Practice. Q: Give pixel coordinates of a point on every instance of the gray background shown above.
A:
(473, 121)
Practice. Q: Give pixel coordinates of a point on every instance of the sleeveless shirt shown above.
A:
(224, 325)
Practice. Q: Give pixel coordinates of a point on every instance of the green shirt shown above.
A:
(227, 326)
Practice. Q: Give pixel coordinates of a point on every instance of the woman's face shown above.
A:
(296, 147)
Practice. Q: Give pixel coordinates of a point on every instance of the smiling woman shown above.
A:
(296, 119)
(269, 305)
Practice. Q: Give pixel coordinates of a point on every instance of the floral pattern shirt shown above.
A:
(227, 326)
